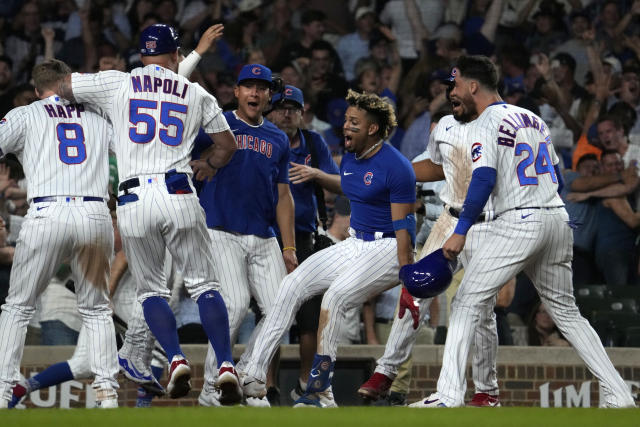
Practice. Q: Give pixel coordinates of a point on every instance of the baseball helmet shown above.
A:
(157, 39)
(428, 277)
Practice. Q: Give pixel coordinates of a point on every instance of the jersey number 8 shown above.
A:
(170, 122)
(71, 148)
(542, 165)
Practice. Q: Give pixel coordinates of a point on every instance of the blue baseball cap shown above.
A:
(254, 72)
(290, 93)
(158, 39)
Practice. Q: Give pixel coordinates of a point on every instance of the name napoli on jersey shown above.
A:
(146, 83)
(250, 142)
(515, 122)
(57, 111)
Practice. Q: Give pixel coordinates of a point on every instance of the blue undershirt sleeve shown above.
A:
(560, 177)
(482, 182)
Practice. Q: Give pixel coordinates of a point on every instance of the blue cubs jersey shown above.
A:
(373, 184)
(243, 195)
(304, 195)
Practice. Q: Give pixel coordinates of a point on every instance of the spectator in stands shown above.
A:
(323, 85)
(542, 330)
(575, 46)
(24, 43)
(353, 46)
(313, 28)
(630, 95)
(6, 83)
(548, 31)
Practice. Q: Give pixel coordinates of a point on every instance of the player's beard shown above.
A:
(469, 110)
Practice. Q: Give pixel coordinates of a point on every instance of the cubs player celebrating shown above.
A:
(157, 114)
(380, 183)
(242, 202)
(63, 148)
(513, 162)
(287, 113)
(447, 153)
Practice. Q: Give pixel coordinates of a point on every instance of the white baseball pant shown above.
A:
(541, 245)
(53, 231)
(247, 265)
(349, 273)
(402, 336)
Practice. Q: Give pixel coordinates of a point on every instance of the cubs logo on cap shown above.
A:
(254, 72)
(158, 39)
(290, 93)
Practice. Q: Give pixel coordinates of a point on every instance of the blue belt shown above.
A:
(370, 236)
(68, 199)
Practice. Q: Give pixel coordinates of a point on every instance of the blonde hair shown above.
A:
(380, 109)
(47, 74)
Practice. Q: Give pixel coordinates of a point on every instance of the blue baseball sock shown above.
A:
(54, 374)
(320, 374)
(162, 324)
(215, 322)
(157, 372)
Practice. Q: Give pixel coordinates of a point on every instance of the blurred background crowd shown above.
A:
(576, 63)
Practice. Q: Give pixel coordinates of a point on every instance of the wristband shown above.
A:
(289, 248)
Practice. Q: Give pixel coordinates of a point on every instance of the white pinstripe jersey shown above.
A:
(156, 115)
(449, 146)
(63, 148)
(516, 143)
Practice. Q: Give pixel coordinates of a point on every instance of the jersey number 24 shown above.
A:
(542, 164)
(167, 119)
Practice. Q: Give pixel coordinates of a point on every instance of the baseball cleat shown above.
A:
(229, 385)
(4, 404)
(321, 399)
(432, 401)
(253, 387)
(141, 376)
(18, 394)
(258, 403)
(106, 398)
(376, 387)
(485, 400)
(209, 396)
(179, 377)
(298, 390)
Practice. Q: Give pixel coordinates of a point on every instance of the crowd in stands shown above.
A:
(575, 63)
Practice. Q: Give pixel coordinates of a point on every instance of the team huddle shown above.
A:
(502, 216)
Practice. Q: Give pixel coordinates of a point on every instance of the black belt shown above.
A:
(68, 199)
(130, 183)
(456, 214)
(539, 207)
(370, 236)
(383, 320)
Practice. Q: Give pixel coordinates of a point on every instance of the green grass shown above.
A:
(352, 416)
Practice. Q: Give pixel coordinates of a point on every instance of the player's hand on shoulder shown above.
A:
(202, 170)
(301, 173)
(453, 246)
(290, 260)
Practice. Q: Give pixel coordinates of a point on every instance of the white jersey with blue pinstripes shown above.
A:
(156, 115)
(516, 143)
(449, 146)
(62, 147)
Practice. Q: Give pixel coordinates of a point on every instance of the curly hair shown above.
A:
(380, 109)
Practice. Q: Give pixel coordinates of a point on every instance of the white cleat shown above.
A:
(229, 385)
(253, 387)
(106, 398)
(433, 401)
(179, 377)
(4, 404)
(209, 396)
(255, 402)
(321, 399)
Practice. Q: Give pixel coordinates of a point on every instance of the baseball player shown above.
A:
(380, 183)
(63, 148)
(288, 106)
(156, 114)
(242, 202)
(446, 157)
(514, 162)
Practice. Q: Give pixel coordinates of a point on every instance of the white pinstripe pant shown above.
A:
(248, 265)
(541, 245)
(160, 220)
(348, 273)
(52, 232)
(402, 336)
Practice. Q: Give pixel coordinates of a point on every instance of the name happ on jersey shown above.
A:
(58, 111)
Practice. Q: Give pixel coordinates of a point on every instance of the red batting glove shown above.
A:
(408, 303)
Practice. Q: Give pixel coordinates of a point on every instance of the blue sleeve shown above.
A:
(283, 164)
(482, 182)
(201, 143)
(325, 161)
(560, 177)
(402, 182)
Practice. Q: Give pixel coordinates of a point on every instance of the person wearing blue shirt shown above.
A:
(287, 111)
(380, 183)
(242, 203)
